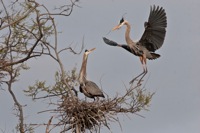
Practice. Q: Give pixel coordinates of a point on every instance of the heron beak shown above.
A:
(116, 27)
(92, 49)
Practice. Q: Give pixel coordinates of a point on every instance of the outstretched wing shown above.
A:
(155, 29)
(112, 43)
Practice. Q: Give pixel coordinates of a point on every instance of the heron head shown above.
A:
(121, 23)
(89, 51)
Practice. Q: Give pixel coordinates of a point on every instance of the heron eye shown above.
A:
(121, 21)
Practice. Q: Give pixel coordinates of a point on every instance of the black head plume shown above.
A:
(86, 50)
(122, 20)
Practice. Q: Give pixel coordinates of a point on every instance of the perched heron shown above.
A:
(151, 40)
(88, 88)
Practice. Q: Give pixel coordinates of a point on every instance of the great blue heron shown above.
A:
(151, 40)
(88, 88)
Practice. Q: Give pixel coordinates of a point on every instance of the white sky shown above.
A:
(174, 76)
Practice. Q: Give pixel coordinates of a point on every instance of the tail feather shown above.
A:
(154, 56)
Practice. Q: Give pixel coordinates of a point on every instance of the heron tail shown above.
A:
(154, 56)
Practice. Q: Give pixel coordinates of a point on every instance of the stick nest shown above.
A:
(79, 115)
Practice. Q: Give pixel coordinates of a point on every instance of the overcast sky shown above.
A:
(174, 76)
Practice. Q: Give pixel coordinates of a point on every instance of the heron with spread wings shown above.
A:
(151, 40)
(88, 88)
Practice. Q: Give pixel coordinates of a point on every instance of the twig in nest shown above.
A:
(91, 116)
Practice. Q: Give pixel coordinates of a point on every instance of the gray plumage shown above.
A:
(155, 29)
(151, 40)
(88, 88)
(91, 90)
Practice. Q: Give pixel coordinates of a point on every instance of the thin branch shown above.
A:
(59, 60)
(48, 96)
(19, 106)
(19, 19)
(48, 124)
(27, 57)
(70, 49)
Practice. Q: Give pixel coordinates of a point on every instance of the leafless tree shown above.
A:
(27, 29)
(25, 34)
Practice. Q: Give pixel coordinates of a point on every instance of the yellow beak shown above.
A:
(116, 27)
(92, 49)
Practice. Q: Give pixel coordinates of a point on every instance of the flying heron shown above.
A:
(151, 40)
(88, 88)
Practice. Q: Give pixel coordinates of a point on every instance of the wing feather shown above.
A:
(155, 29)
(93, 89)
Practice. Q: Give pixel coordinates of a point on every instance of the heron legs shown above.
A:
(137, 77)
(144, 73)
(143, 61)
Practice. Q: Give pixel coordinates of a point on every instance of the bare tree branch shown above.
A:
(19, 19)
(49, 123)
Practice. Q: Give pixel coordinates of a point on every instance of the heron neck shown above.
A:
(82, 74)
(127, 33)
